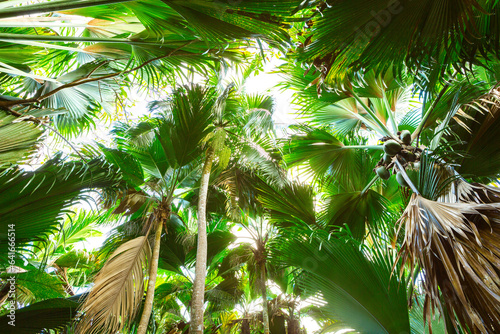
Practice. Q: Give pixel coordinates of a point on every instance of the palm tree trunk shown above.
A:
(265, 311)
(197, 300)
(150, 293)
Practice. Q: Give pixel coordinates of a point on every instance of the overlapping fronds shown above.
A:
(352, 284)
(366, 34)
(291, 204)
(456, 244)
(118, 289)
(50, 314)
(477, 129)
(34, 202)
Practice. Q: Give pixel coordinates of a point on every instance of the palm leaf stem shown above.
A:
(8, 37)
(86, 79)
(405, 176)
(382, 126)
(389, 112)
(364, 120)
(367, 147)
(53, 6)
(369, 185)
(62, 137)
(420, 127)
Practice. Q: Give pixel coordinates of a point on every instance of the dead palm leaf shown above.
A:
(457, 245)
(477, 193)
(118, 289)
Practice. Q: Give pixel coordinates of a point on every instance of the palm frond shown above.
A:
(50, 314)
(385, 35)
(456, 244)
(34, 202)
(291, 204)
(118, 289)
(477, 129)
(352, 284)
(17, 139)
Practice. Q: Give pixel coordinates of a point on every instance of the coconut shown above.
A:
(401, 180)
(392, 147)
(387, 158)
(406, 137)
(383, 173)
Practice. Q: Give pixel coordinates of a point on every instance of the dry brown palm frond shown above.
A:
(458, 246)
(477, 193)
(118, 289)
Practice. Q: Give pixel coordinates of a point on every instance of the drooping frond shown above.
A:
(365, 34)
(456, 244)
(34, 202)
(118, 289)
(477, 129)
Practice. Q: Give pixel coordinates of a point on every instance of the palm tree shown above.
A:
(156, 157)
(215, 146)
(432, 146)
(177, 260)
(239, 121)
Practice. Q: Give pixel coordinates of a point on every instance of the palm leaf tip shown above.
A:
(457, 246)
(118, 289)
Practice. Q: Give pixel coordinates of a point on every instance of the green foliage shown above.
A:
(17, 139)
(34, 202)
(48, 314)
(355, 282)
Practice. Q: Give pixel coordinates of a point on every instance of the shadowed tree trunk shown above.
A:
(293, 326)
(245, 326)
(197, 301)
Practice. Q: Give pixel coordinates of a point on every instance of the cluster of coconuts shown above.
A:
(407, 155)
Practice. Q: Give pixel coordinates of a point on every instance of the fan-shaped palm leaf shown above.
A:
(456, 244)
(358, 289)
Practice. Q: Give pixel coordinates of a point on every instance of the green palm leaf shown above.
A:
(53, 313)
(17, 140)
(359, 289)
(34, 202)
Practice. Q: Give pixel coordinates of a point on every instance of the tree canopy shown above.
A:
(149, 185)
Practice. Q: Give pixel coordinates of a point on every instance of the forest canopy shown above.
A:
(249, 166)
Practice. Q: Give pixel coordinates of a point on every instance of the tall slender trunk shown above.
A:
(197, 300)
(265, 310)
(150, 293)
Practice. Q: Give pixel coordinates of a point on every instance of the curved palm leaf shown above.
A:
(359, 289)
(118, 289)
(49, 314)
(34, 202)
(17, 139)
